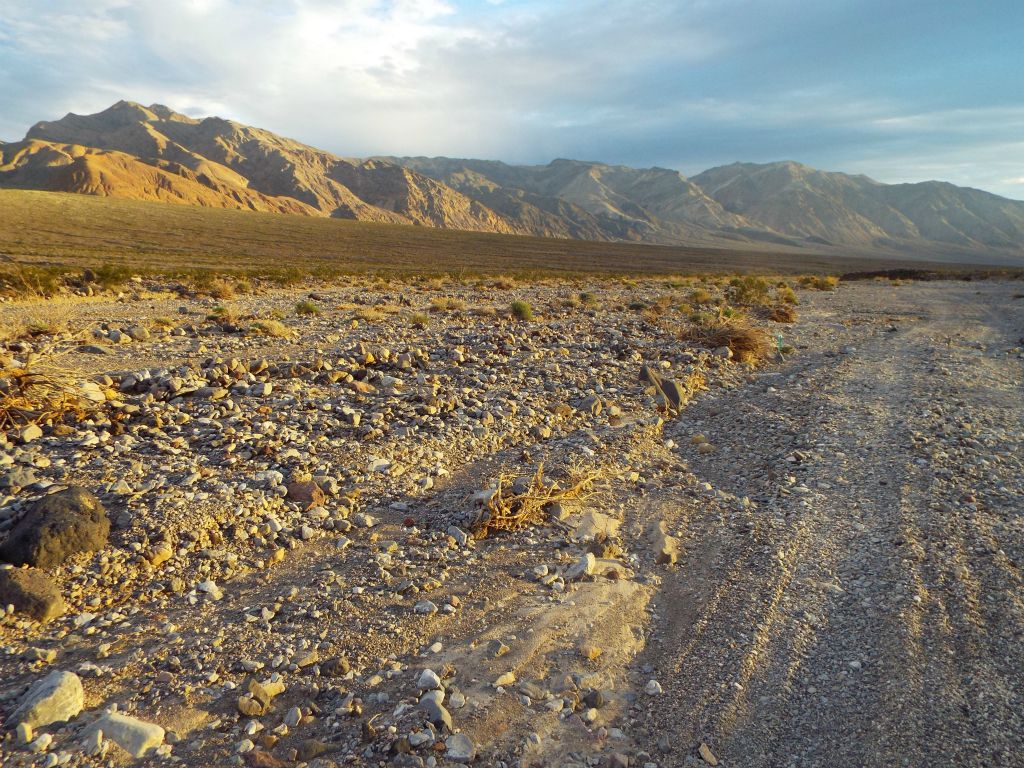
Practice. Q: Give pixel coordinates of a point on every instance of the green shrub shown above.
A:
(522, 310)
(306, 307)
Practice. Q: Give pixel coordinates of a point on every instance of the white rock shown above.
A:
(653, 688)
(428, 680)
(55, 698)
(583, 567)
(460, 748)
(136, 737)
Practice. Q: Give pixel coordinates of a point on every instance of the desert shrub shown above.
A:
(588, 299)
(420, 319)
(699, 297)
(504, 282)
(163, 322)
(510, 510)
(273, 328)
(221, 288)
(748, 291)
(747, 343)
(446, 304)
(484, 311)
(370, 314)
(306, 307)
(111, 276)
(820, 282)
(783, 313)
(521, 310)
(225, 314)
(786, 294)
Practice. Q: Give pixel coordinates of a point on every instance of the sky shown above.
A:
(900, 90)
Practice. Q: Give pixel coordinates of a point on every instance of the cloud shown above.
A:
(686, 83)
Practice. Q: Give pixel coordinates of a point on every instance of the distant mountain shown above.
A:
(833, 207)
(155, 153)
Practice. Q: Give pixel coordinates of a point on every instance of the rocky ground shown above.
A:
(816, 563)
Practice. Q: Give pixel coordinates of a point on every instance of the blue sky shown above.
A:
(902, 90)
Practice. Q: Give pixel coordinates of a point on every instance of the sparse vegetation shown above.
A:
(819, 282)
(508, 510)
(748, 343)
(447, 304)
(419, 319)
(748, 291)
(521, 310)
(782, 313)
(273, 328)
(306, 307)
(786, 294)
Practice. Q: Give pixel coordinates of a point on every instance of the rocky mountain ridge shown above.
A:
(155, 153)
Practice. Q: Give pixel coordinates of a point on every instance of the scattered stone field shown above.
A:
(395, 525)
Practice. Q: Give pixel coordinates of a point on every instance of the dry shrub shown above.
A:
(507, 510)
(748, 343)
(782, 313)
(222, 288)
(446, 304)
(272, 328)
(39, 391)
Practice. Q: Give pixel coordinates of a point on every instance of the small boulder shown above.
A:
(56, 698)
(460, 748)
(666, 548)
(31, 592)
(134, 736)
(583, 567)
(58, 526)
(307, 493)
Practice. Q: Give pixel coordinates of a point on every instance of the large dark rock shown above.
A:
(31, 592)
(60, 525)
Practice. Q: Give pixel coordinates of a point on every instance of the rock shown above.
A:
(138, 333)
(583, 567)
(53, 699)
(593, 526)
(666, 548)
(309, 749)
(436, 713)
(653, 688)
(307, 493)
(428, 680)
(30, 433)
(496, 648)
(425, 608)
(58, 526)
(591, 652)
(460, 536)
(293, 717)
(707, 755)
(134, 736)
(506, 679)
(31, 592)
(460, 748)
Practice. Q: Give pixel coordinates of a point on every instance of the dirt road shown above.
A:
(867, 610)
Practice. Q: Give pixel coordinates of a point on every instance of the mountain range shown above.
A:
(155, 153)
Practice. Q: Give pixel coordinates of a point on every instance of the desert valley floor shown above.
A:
(815, 562)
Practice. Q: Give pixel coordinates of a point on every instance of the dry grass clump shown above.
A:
(782, 313)
(307, 308)
(39, 391)
(508, 510)
(273, 328)
(748, 343)
(786, 295)
(370, 315)
(819, 282)
(419, 319)
(446, 304)
(748, 291)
